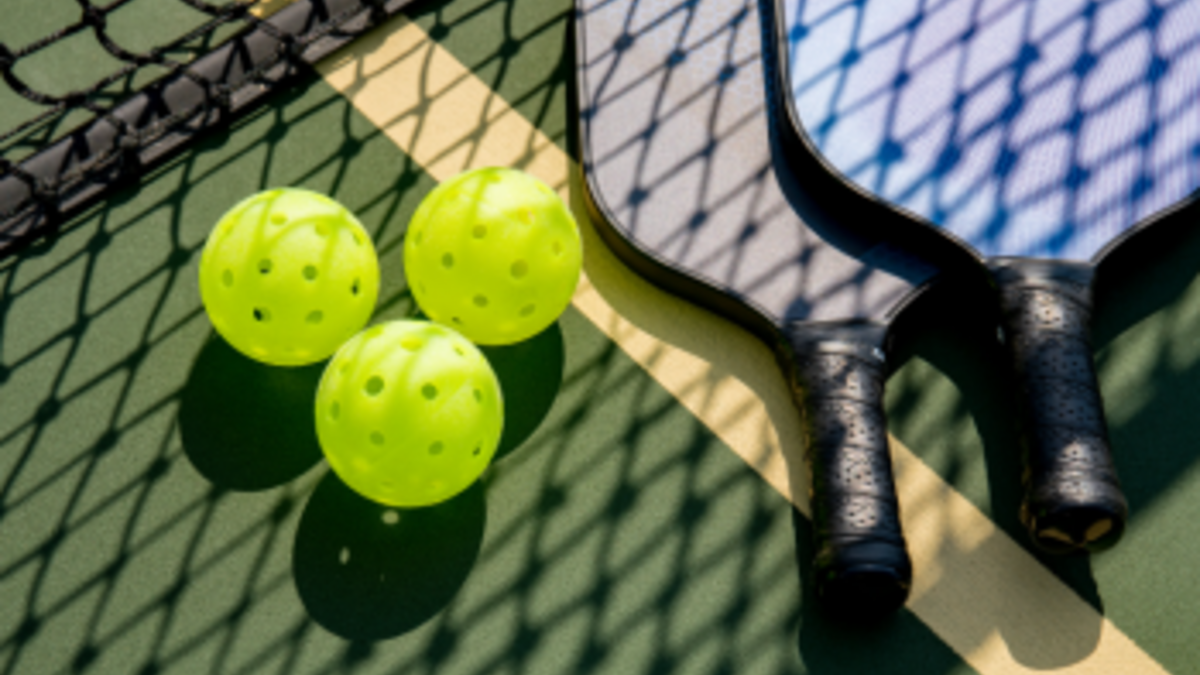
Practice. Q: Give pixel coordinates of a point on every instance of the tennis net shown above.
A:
(151, 100)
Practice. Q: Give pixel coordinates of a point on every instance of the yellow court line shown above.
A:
(980, 592)
(264, 8)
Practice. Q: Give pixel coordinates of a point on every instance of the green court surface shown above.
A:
(164, 507)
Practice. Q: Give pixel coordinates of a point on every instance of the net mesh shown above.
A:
(82, 116)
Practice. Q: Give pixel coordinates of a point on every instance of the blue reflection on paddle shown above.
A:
(1025, 128)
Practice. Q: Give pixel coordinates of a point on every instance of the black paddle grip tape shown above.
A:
(1072, 499)
(861, 569)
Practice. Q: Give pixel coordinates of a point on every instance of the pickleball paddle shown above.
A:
(1039, 135)
(681, 171)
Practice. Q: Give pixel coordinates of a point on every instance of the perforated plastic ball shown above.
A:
(409, 413)
(493, 253)
(288, 275)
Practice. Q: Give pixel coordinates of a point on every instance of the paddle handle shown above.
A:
(861, 568)
(1072, 500)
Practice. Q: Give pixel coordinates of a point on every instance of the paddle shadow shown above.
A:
(956, 334)
(1151, 391)
(841, 644)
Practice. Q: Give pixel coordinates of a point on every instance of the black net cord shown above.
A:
(121, 141)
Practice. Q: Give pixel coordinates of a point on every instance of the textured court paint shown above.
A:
(1029, 128)
(962, 561)
(173, 516)
(123, 555)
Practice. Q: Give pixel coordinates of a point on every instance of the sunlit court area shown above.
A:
(166, 505)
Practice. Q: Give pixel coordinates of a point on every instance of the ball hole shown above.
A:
(448, 260)
(374, 386)
(519, 269)
(412, 344)
(478, 450)
(480, 301)
(278, 219)
(436, 448)
(310, 272)
(527, 310)
(262, 314)
(429, 391)
(456, 320)
(557, 247)
(227, 278)
(265, 266)
(479, 231)
(459, 350)
(335, 410)
(478, 396)
(420, 237)
(315, 317)
(354, 287)
(377, 438)
(344, 368)
(358, 241)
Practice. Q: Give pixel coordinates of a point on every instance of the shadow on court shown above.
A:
(159, 516)
(1144, 334)
(367, 572)
(245, 425)
(951, 396)
(616, 534)
(362, 570)
(132, 435)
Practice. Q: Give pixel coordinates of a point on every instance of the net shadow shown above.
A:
(1024, 130)
(604, 526)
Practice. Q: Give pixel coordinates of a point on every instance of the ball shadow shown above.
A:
(530, 374)
(365, 571)
(246, 425)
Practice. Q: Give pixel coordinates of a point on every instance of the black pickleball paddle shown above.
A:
(1037, 134)
(682, 173)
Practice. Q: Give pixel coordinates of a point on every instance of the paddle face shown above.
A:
(679, 162)
(682, 174)
(1032, 128)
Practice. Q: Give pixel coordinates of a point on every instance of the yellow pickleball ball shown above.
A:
(495, 254)
(409, 413)
(288, 275)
